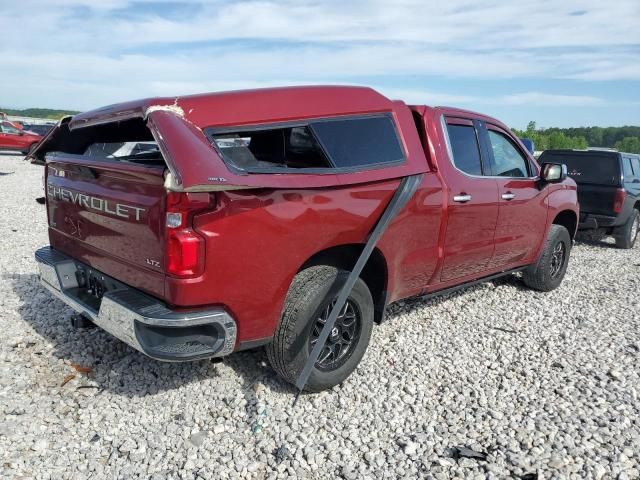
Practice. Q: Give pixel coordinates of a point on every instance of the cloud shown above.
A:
(83, 53)
(547, 99)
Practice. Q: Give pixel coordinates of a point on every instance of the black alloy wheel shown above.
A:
(557, 259)
(343, 338)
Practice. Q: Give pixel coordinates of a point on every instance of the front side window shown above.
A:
(507, 160)
(344, 143)
(465, 149)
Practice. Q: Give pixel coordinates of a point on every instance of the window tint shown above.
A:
(288, 147)
(464, 146)
(359, 141)
(635, 162)
(628, 171)
(344, 143)
(507, 160)
(587, 167)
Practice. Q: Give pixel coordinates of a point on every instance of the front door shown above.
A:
(522, 216)
(9, 136)
(472, 203)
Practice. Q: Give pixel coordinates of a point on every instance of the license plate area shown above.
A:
(94, 283)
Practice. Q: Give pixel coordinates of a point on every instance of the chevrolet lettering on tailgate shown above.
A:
(94, 203)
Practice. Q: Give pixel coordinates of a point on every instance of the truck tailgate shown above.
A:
(108, 215)
(596, 199)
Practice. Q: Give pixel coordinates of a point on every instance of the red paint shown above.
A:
(13, 137)
(256, 239)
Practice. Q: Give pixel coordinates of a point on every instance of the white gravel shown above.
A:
(543, 383)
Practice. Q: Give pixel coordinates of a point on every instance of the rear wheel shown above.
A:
(311, 297)
(548, 272)
(627, 234)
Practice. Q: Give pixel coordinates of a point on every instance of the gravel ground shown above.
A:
(541, 383)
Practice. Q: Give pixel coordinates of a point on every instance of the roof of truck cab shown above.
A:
(454, 111)
(244, 107)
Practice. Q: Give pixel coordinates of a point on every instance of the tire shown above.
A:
(310, 297)
(28, 150)
(627, 234)
(548, 272)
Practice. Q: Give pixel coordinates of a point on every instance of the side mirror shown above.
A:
(553, 172)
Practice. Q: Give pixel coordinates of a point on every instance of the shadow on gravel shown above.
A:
(122, 370)
(416, 302)
(594, 239)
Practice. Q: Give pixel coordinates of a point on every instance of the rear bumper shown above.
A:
(589, 221)
(137, 319)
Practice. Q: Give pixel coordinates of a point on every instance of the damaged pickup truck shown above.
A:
(197, 226)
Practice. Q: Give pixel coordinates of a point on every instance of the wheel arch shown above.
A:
(569, 220)
(374, 274)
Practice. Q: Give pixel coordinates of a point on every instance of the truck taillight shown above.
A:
(618, 202)
(185, 253)
(185, 247)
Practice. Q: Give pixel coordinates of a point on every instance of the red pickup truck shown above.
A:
(233, 219)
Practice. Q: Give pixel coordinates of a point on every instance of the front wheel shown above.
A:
(548, 272)
(30, 149)
(311, 297)
(627, 234)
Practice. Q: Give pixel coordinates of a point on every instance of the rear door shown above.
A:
(472, 202)
(522, 215)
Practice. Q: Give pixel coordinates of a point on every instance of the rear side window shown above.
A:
(321, 144)
(288, 147)
(628, 170)
(465, 149)
(361, 142)
(635, 162)
(507, 160)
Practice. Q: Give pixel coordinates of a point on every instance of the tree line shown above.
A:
(50, 113)
(624, 139)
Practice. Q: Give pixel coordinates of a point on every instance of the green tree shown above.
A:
(628, 144)
(622, 138)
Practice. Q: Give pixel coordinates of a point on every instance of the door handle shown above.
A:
(463, 198)
(508, 196)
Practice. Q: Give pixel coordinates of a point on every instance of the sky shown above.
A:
(559, 63)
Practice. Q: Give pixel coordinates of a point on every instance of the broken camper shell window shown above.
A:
(137, 151)
(317, 146)
(284, 147)
(128, 141)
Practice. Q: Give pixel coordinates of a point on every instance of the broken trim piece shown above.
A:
(174, 108)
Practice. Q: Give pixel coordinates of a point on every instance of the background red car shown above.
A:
(12, 138)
